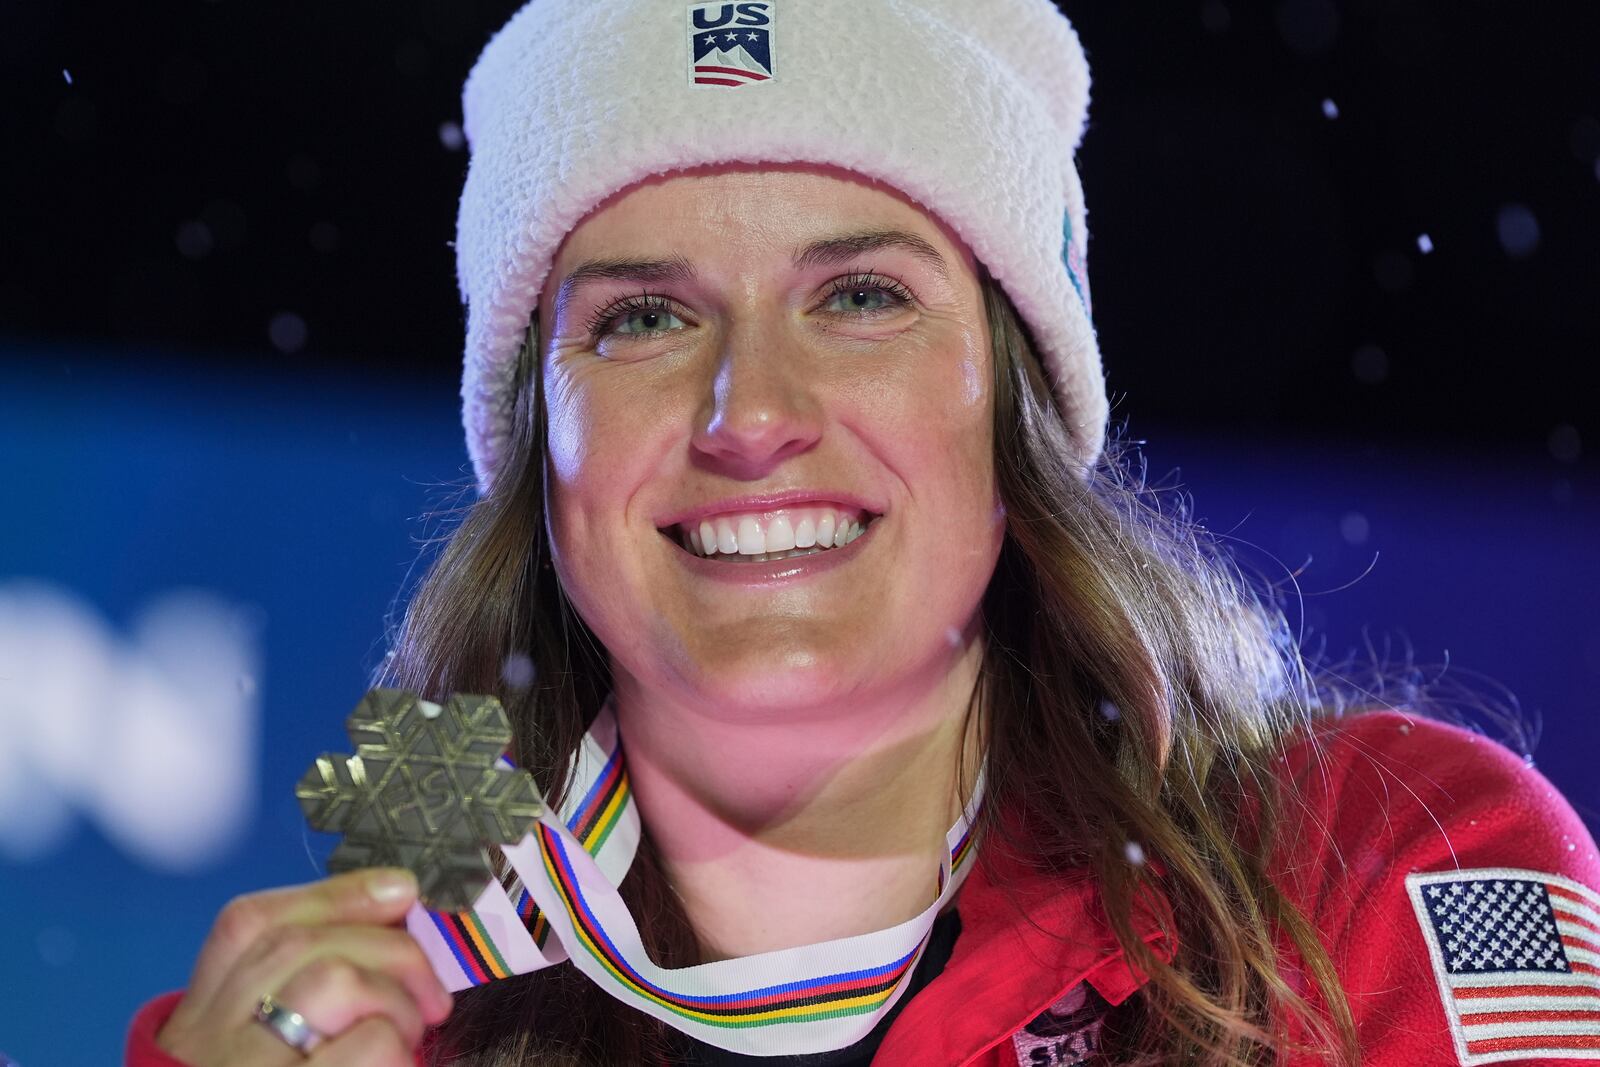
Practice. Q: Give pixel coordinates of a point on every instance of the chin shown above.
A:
(773, 682)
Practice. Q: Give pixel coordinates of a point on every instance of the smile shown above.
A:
(780, 533)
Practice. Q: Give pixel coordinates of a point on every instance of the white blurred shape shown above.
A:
(1330, 110)
(153, 738)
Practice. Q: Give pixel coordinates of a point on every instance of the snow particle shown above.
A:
(1354, 528)
(1584, 139)
(953, 635)
(1135, 853)
(1214, 16)
(1109, 711)
(517, 670)
(323, 236)
(1518, 230)
(1424, 243)
(451, 137)
(1308, 26)
(1330, 110)
(193, 239)
(287, 332)
(1370, 365)
(1564, 442)
(67, 74)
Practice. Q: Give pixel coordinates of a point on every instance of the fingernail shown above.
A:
(388, 886)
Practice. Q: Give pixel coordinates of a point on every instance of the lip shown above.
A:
(773, 572)
(770, 502)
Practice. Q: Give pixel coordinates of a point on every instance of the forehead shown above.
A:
(744, 210)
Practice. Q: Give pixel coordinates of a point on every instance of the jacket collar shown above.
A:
(1027, 938)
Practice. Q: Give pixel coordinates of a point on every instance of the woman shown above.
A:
(789, 428)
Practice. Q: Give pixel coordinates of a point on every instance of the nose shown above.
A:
(763, 406)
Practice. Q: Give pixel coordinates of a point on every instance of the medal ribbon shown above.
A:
(559, 901)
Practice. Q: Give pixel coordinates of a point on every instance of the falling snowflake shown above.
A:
(423, 791)
(1330, 110)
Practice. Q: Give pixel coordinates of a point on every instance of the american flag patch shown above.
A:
(1517, 957)
(730, 44)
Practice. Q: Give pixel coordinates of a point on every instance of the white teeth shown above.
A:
(752, 542)
(780, 536)
(726, 543)
(770, 535)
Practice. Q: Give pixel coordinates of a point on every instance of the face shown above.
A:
(759, 358)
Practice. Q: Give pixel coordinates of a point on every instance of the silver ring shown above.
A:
(288, 1024)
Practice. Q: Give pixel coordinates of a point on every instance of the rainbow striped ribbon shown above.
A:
(559, 901)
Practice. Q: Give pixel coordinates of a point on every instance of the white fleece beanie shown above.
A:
(972, 108)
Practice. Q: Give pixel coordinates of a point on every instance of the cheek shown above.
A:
(570, 423)
(934, 399)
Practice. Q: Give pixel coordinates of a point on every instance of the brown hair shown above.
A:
(1135, 686)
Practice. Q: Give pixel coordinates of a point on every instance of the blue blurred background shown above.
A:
(1343, 279)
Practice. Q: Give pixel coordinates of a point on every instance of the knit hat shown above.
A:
(973, 110)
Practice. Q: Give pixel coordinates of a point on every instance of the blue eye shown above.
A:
(648, 309)
(880, 294)
(875, 293)
(650, 318)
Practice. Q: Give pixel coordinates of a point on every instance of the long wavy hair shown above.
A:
(1136, 686)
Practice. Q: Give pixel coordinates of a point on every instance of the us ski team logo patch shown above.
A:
(1516, 954)
(730, 45)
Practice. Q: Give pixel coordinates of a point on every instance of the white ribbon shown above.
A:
(811, 998)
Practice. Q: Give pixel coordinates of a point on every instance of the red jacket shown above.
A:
(1384, 796)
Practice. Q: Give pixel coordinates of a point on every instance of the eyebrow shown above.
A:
(826, 251)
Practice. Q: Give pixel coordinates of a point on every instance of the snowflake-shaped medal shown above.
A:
(423, 791)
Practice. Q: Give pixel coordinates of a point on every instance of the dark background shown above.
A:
(230, 350)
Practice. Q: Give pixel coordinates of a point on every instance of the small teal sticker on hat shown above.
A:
(1072, 257)
(730, 45)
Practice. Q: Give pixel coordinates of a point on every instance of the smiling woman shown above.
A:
(890, 718)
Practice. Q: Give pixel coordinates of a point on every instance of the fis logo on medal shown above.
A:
(730, 44)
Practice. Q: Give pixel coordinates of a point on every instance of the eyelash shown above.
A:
(607, 317)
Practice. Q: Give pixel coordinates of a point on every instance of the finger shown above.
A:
(375, 895)
(372, 1042)
(255, 1044)
(334, 994)
(284, 950)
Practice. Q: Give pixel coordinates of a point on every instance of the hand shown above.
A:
(337, 952)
